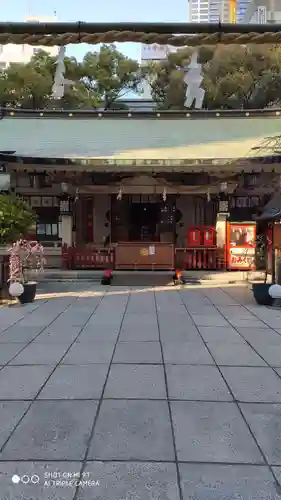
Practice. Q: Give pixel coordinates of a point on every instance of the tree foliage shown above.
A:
(100, 79)
(110, 75)
(16, 218)
(234, 77)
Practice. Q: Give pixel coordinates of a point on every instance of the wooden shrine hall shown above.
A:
(144, 190)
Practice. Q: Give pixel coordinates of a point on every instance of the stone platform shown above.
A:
(147, 393)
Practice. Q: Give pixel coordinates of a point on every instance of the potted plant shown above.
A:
(25, 256)
(16, 220)
(260, 291)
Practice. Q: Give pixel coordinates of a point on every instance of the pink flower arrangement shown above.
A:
(25, 255)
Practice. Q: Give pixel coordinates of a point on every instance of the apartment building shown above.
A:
(11, 53)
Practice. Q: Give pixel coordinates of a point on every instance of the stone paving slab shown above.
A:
(10, 414)
(265, 336)
(185, 332)
(75, 382)
(45, 489)
(131, 481)
(157, 393)
(136, 382)
(22, 382)
(58, 335)
(138, 332)
(264, 421)
(189, 353)
(9, 351)
(89, 352)
(226, 334)
(197, 383)
(212, 432)
(133, 430)
(138, 352)
(238, 355)
(52, 430)
(20, 334)
(40, 354)
(223, 482)
(251, 384)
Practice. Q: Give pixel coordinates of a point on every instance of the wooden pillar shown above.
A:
(66, 230)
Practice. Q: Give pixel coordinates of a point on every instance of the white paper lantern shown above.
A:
(16, 289)
(275, 291)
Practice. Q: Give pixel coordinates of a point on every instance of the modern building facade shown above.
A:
(11, 53)
(213, 11)
(263, 11)
(241, 8)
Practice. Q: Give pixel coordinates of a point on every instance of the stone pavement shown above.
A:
(148, 394)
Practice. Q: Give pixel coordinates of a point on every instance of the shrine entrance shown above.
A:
(142, 218)
(144, 221)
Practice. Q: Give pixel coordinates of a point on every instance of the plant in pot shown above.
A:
(25, 258)
(17, 219)
(260, 291)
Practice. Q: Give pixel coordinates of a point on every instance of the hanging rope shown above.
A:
(142, 37)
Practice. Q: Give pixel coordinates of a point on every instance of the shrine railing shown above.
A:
(95, 257)
(199, 258)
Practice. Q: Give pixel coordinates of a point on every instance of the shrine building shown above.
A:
(142, 190)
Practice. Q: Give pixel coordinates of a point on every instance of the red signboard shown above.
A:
(241, 245)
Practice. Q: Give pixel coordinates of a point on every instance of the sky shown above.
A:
(99, 11)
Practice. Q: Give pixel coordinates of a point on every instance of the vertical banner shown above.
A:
(262, 14)
(232, 11)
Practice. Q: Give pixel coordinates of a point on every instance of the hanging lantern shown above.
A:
(164, 196)
(208, 195)
(223, 187)
(64, 187)
(66, 205)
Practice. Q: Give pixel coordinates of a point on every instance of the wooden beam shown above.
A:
(55, 28)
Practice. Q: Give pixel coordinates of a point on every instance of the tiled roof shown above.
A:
(272, 210)
(137, 138)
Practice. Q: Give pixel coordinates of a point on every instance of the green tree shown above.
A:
(234, 77)
(30, 85)
(110, 75)
(16, 218)
(104, 77)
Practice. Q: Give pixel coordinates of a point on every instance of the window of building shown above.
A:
(47, 224)
(36, 50)
(1, 49)
(47, 229)
(2, 65)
